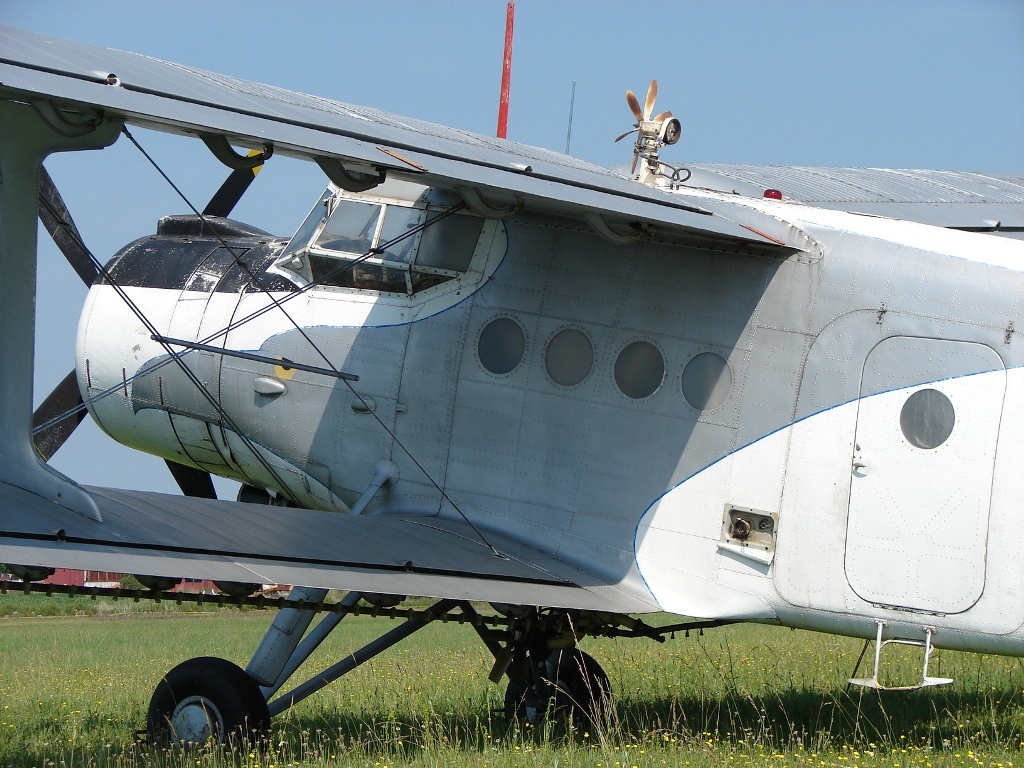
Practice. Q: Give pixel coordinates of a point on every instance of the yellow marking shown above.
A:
(253, 153)
(283, 372)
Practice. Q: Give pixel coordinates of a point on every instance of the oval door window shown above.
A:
(927, 419)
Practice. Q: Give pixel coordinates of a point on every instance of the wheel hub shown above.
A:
(195, 720)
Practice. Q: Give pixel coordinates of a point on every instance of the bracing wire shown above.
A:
(275, 303)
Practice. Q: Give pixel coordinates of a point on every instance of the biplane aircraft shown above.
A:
(489, 373)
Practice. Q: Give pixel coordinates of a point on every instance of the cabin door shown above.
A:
(921, 474)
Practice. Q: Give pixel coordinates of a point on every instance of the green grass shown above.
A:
(73, 689)
(15, 605)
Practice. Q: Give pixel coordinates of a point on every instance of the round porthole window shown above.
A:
(501, 345)
(639, 370)
(707, 380)
(569, 357)
(927, 418)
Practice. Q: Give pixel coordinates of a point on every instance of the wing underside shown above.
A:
(164, 535)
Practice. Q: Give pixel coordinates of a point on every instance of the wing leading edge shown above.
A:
(164, 535)
(179, 99)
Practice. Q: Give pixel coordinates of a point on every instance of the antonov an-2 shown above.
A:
(482, 371)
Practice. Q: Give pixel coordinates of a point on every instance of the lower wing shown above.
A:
(163, 535)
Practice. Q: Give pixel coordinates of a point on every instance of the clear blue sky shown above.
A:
(901, 83)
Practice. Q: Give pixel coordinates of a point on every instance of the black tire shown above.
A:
(516, 706)
(206, 698)
(573, 687)
(582, 690)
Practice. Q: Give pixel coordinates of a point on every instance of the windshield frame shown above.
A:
(296, 263)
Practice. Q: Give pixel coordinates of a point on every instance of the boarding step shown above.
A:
(924, 682)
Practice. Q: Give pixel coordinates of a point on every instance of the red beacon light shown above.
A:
(773, 194)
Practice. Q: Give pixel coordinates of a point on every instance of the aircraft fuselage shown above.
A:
(824, 438)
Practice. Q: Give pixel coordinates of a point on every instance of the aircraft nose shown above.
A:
(183, 282)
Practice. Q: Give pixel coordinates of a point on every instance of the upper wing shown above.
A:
(958, 199)
(157, 534)
(162, 535)
(172, 97)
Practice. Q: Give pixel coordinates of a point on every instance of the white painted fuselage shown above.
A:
(630, 408)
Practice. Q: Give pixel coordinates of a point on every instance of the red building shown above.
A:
(70, 577)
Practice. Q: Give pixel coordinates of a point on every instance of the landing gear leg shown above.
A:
(212, 698)
(277, 651)
(549, 676)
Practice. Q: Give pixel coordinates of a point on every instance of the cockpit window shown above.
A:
(450, 243)
(366, 275)
(351, 227)
(382, 246)
(395, 235)
(309, 226)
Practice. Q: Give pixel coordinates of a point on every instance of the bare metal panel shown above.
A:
(177, 536)
(942, 198)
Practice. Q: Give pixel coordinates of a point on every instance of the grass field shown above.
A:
(74, 688)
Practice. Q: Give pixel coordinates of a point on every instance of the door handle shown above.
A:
(364, 404)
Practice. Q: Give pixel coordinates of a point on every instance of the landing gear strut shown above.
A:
(209, 698)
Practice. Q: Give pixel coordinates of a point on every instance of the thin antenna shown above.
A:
(572, 105)
(506, 72)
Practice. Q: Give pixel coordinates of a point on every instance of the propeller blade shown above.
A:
(231, 191)
(632, 168)
(192, 481)
(634, 105)
(620, 138)
(58, 222)
(64, 397)
(662, 116)
(652, 94)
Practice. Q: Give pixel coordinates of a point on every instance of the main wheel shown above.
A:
(582, 690)
(206, 698)
(572, 686)
(521, 703)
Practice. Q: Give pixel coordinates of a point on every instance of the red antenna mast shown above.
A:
(506, 73)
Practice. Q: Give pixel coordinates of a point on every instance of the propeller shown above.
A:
(192, 481)
(58, 222)
(624, 135)
(231, 191)
(62, 400)
(66, 398)
(634, 105)
(653, 132)
(652, 94)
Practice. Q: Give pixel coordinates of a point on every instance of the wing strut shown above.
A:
(28, 139)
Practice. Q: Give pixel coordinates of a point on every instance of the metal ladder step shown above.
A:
(924, 682)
